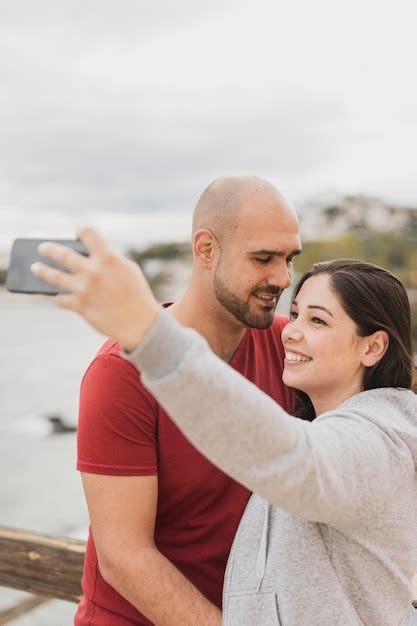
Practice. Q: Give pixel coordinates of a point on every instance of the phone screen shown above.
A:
(24, 252)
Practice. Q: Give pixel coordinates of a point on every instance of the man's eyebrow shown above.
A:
(273, 253)
(315, 306)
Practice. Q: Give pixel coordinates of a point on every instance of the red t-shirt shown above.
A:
(123, 431)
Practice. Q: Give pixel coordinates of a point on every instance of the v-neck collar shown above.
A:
(240, 349)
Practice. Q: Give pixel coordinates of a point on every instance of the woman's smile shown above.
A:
(292, 357)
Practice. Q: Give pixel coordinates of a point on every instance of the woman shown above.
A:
(330, 536)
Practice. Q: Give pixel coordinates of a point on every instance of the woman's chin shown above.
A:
(295, 382)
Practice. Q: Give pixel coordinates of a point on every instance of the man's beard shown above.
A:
(241, 310)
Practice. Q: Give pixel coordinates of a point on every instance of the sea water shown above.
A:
(44, 353)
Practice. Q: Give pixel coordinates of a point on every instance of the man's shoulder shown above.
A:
(109, 368)
(109, 347)
(110, 352)
(109, 358)
(112, 376)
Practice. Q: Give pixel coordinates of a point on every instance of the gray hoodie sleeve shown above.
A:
(338, 469)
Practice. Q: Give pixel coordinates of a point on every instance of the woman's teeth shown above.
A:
(292, 356)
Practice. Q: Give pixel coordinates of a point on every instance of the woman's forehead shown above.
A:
(318, 291)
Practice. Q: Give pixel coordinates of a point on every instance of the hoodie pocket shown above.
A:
(251, 609)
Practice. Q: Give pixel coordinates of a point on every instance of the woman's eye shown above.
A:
(317, 320)
(293, 315)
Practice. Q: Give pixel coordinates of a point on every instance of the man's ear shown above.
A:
(205, 245)
(375, 347)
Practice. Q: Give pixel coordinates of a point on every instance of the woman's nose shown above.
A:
(292, 332)
(295, 335)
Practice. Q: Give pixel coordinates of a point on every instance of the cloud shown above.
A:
(136, 106)
(109, 109)
(99, 19)
(81, 165)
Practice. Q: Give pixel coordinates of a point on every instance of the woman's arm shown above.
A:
(336, 469)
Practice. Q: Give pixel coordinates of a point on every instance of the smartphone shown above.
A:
(25, 252)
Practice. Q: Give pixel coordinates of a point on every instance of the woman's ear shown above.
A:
(204, 247)
(375, 347)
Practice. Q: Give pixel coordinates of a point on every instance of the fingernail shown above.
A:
(34, 267)
(42, 247)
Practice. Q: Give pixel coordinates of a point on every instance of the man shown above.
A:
(163, 517)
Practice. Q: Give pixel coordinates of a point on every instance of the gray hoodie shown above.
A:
(330, 538)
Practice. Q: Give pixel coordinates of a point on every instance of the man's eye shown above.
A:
(260, 259)
(293, 315)
(290, 260)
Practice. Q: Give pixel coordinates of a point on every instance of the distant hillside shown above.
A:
(167, 266)
(354, 214)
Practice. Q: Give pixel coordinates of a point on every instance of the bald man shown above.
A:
(162, 516)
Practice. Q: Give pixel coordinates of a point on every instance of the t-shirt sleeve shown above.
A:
(117, 420)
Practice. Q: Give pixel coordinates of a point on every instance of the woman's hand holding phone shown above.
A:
(108, 290)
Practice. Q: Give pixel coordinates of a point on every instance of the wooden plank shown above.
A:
(21, 608)
(41, 564)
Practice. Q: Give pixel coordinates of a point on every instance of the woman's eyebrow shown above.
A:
(314, 306)
(322, 308)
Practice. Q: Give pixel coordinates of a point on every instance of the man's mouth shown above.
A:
(267, 299)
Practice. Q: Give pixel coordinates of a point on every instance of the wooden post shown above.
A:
(41, 564)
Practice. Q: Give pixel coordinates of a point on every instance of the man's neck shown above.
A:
(214, 323)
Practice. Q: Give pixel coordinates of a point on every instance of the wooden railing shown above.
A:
(48, 567)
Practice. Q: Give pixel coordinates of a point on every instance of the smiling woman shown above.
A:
(352, 319)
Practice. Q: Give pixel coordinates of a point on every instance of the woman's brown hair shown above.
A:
(375, 300)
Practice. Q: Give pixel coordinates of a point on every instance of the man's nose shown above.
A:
(280, 277)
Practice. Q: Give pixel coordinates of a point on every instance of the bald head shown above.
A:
(222, 203)
(245, 236)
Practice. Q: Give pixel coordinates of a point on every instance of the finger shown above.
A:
(64, 255)
(95, 243)
(58, 278)
(67, 301)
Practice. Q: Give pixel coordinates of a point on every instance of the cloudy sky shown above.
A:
(119, 113)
